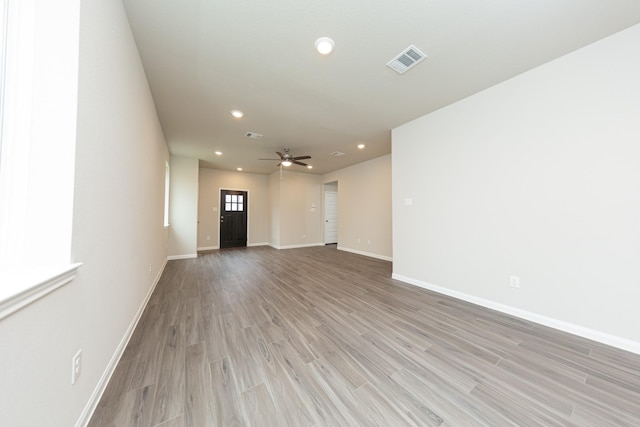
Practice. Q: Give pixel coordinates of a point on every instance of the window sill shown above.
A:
(20, 289)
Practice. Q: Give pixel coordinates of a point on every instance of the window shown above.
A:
(3, 39)
(234, 203)
(40, 42)
(167, 182)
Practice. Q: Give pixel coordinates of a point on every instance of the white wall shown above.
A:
(296, 209)
(274, 210)
(117, 233)
(183, 208)
(536, 177)
(364, 207)
(286, 209)
(210, 184)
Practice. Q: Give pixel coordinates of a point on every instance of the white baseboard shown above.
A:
(249, 245)
(185, 256)
(92, 404)
(581, 331)
(208, 248)
(306, 245)
(369, 254)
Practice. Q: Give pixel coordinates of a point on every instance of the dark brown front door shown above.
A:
(233, 218)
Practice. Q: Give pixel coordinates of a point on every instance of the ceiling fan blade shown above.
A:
(301, 158)
(299, 163)
(278, 165)
(280, 154)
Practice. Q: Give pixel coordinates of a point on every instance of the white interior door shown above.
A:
(330, 217)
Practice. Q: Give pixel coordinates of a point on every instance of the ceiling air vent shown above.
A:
(254, 135)
(407, 59)
(337, 154)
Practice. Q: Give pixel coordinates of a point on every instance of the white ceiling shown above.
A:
(204, 58)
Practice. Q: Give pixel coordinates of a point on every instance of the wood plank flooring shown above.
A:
(320, 337)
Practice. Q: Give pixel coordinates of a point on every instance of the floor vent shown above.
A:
(407, 59)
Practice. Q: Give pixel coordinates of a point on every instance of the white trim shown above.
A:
(23, 288)
(212, 248)
(306, 245)
(92, 404)
(581, 331)
(208, 248)
(185, 256)
(369, 254)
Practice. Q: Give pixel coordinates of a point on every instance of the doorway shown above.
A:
(331, 213)
(233, 218)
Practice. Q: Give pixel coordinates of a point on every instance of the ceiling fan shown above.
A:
(287, 159)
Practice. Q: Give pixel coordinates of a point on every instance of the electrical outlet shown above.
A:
(514, 281)
(208, 237)
(76, 366)
(368, 242)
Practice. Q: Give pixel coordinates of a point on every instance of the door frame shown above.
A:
(219, 209)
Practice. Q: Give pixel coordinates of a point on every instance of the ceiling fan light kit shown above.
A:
(287, 159)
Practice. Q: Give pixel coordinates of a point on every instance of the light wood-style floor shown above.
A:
(320, 337)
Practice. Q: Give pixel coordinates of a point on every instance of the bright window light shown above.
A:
(167, 182)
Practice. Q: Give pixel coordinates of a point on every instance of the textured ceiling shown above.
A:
(204, 58)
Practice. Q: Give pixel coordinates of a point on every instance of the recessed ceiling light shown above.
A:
(324, 45)
(361, 146)
(309, 167)
(237, 114)
(218, 153)
(239, 169)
